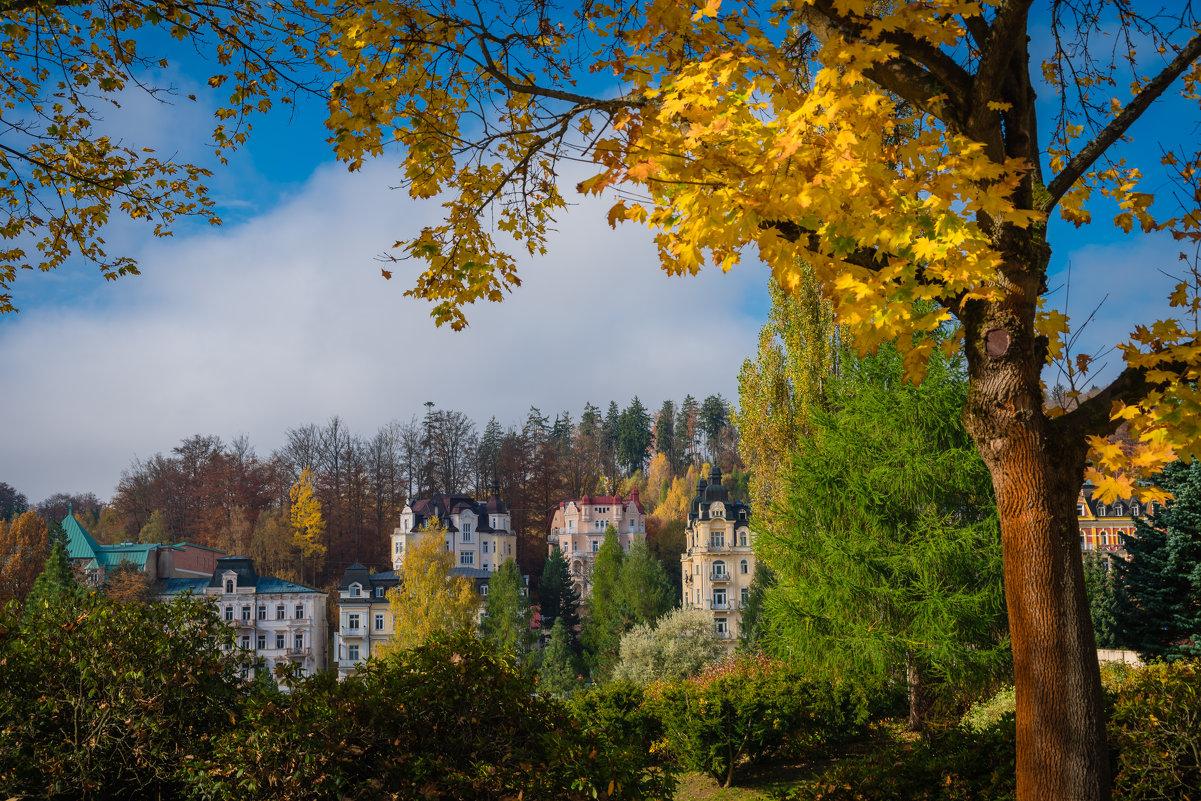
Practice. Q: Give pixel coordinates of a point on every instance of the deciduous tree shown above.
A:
(429, 598)
(308, 524)
(893, 147)
(24, 549)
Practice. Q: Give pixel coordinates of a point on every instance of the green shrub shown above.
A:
(1155, 730)
(449, 719)
(985, 715)
(104, 699)
(752, 708)
(619, 712)
(954, 765)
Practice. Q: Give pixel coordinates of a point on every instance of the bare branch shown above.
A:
(1118, 126)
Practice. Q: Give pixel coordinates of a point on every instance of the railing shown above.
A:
(719, 575)
(357, 631)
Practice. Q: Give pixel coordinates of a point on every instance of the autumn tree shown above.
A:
(429, 598)
(155, 530)
(894, 148)
(128, 583)
(24, 549)
(307, 522)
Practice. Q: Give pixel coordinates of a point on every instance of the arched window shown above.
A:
(719, 569)
(229, 585)
(742, 538)
(744, 567)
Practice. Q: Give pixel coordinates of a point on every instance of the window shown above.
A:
(1117, 509)
(229, 585)
(483, 589)
(355, 591)
(245, 642)
(246, 614)
(298, 642)
(261, 642)
(352, 622)
(743, 595)
(466, 532)
(1083, 547)
(279, 641)
(1081, 510)
(353, 652)
(575, 546)
(379, 592)
(719, 598)
(1135, 508)
(262, 611)
(717, 538)
(742, 543)
(744, 567)
(229, 614)
(484, 546)
(719, 570)
(299, 611)
(467, 558)
(571, 525)
(723, 630)
(1100, 510)
(400, 547)
(379, 621)
(595, 546)
(485, 565)
(279, 612)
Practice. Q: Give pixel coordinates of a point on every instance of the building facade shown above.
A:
(159, 561)
(365, 620)
(1102, 523)
(479, 534)
(718, 562)
(277, 621)
(364, 617)
(578, 526)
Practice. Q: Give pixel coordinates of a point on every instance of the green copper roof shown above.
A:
(80, 544)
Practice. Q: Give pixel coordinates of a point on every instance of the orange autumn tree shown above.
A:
(892, 147)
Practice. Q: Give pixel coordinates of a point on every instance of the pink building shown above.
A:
(578, 528)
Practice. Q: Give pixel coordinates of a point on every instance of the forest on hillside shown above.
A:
(225, 495)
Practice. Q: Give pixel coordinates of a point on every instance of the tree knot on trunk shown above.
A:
(996, 342)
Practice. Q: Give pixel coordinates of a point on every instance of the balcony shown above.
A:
(719, 575)
(296, 653)
(721, 606)
(357, 631)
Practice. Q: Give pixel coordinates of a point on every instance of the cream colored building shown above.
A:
(479, 534)
(578, 528)
(718, 562)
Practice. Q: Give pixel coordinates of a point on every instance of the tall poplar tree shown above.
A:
(506, 622)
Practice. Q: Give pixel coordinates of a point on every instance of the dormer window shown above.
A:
(356, 591)
(379, 592)
(1100, 510)
(229, 585)
(1135, 508)
(1117, 509)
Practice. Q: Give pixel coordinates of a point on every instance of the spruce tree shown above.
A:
(559, 673)
(557, 594)
(1160, 611)
(1100, 584)
(56, 584)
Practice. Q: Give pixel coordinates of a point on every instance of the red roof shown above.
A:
(607, 500)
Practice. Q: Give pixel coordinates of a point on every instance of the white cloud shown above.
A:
(285, 320)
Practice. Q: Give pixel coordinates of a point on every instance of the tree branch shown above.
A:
(1118, 126)
(1092, 416)
(1003, 44)
(925, 77)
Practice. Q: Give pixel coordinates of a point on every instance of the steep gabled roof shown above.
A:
(80, 544)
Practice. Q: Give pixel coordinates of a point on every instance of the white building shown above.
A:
(479, 534)
(276, 620)
(578, 529)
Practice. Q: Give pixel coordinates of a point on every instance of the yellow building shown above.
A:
(364, 616)
(1102, 523)
(718, 562)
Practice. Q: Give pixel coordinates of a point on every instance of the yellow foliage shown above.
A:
(429, 598)
(305, 514)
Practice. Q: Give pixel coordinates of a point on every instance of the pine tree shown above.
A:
(1160, 612)
(506, 621)
(559, 673)
(633, 436)
(558, 597)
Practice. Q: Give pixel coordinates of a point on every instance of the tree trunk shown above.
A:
(1037, 470)
(919, 697)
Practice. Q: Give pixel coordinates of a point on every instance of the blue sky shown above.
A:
(280, 317)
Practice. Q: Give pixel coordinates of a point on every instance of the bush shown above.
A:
(1155, 729)
(986, 715)
(447, 719)
(955, 765)
(104, 699)
(619, 712)
(752, 708)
